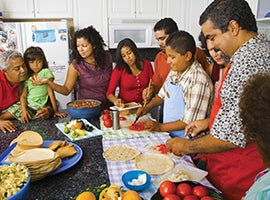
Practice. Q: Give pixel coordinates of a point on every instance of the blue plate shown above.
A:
(68, 162)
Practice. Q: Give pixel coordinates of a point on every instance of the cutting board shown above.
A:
(124, 131)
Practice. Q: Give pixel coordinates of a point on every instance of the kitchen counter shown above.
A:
(90, 171)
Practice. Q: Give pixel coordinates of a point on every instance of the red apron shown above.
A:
(233, 171)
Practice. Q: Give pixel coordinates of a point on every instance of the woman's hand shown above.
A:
(6, 125)
(119, 103)
(195, 127)
(38, 81)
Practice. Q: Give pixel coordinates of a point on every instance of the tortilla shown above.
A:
(154, 164)
(120, 153)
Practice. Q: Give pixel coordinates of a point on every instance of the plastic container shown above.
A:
(134, 174)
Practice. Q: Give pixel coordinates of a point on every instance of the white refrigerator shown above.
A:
(52, 37)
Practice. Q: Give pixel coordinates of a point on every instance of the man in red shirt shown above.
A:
(163, 28)
(12, 73)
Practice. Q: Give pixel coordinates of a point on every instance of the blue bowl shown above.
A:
(84, 109)
(134, 174)
(23, 193)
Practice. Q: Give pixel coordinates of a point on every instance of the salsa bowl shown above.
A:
(84, 109)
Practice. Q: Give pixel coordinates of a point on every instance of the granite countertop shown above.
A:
(90, 171)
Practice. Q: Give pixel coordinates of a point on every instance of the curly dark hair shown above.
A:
(95, 39)
(255, 112)
(33, 53)
(221, 12)
(120, 63)
(182, 42)
(167, 24)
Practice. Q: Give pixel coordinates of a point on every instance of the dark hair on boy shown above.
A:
(33, 53)
(97, 42)
(167, 24)
(182, 42)
(221, 12)
(254, 111)
(120, 63)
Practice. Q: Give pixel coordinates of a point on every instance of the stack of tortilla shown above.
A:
(40, 161)
(28, 151)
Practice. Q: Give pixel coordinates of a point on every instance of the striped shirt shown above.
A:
(197, 91)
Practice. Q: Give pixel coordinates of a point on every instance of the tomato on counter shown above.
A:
(167, 187)
(139, 126)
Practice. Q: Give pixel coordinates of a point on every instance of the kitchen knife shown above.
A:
(7, 151)
(136, 119)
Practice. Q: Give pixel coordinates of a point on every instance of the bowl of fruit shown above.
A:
(84, 109)
(186, 190)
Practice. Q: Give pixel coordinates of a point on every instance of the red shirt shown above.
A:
(130, 86)
(8, 93)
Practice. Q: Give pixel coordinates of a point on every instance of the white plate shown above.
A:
(194, 173)
(127, 107)
(88, 134)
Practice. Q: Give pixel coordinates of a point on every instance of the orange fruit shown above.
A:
(86, 196)
(131, 195)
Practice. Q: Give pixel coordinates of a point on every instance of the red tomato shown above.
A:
(122, 118)
(191, 197)
(183, 189)
(106, 116)
(206, 198)
(171, 197)
(167, 187)
(106, 111)
(161, 148)
(108, 123)
(200, 191)
(139, 126)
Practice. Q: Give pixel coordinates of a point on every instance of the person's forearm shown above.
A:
(173, 126)
(208, 144)
(62, 89)
(112, 98)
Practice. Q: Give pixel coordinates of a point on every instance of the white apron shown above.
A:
(174, 107)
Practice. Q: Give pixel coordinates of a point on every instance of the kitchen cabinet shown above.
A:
(28, 9)
(135, 9)
(186, 13)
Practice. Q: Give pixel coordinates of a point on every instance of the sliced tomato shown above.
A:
(139, 126)
(122, 118)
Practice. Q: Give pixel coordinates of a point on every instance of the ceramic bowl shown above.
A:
(84, 109)
(23, 193)
(139, 184)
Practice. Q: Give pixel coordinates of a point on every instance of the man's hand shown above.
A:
(178, 146)
(195, 127)
(6, 125)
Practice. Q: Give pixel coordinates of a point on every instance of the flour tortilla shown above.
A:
(154, 164)
(120, 153)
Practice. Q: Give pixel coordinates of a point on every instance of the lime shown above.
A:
(66, 130)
